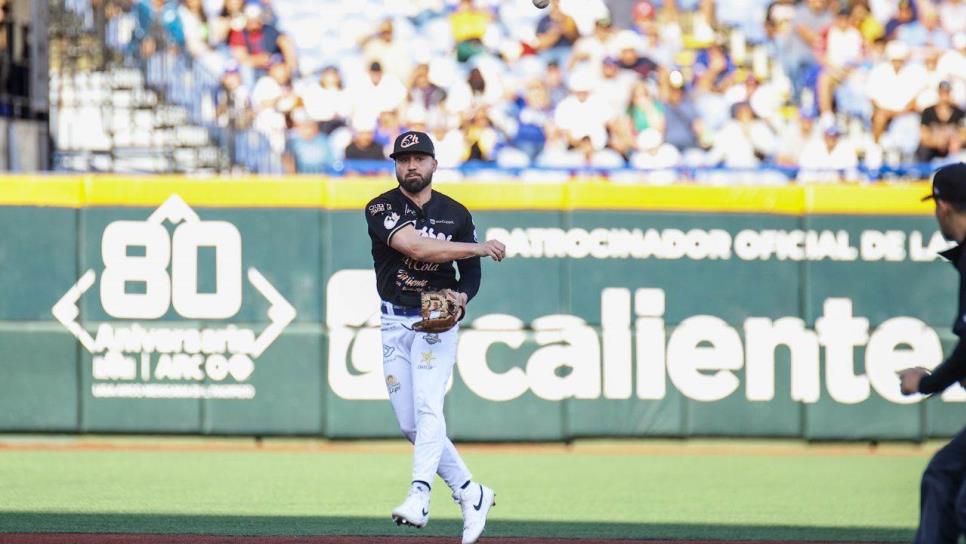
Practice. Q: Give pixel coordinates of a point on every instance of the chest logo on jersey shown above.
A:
(429, 232)
(441, 222)
(408, 283)
(420, 266)
(390, 220)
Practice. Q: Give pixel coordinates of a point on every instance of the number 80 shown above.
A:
(181, 287)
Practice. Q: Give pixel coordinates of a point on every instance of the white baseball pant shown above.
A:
(417, 368)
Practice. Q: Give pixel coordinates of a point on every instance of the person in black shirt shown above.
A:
(417, 234)
(942, 515)
(941, 132)
(363, 146)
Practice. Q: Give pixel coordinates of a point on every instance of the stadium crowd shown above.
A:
(821, 88)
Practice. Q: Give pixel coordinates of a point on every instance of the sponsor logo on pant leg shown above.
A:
(426, 361)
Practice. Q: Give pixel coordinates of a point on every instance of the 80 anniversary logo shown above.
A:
(134, 359)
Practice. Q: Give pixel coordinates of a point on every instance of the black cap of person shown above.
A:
(411, 142)
(949, 183)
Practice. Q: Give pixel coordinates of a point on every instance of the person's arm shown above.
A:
(288, 162)
(407, 241)
(925, 136)
(470, 270)
(920, 380)
(952, 370)
(287, 47)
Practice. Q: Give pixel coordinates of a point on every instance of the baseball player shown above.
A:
(942, 516)
(417, 236)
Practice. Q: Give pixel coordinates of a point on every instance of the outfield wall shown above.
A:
(247, 306)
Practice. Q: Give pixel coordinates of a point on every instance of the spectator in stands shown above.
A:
(712, 68)
(469, 24)
(683, 125)
(655, 155)
(661, 37)
(841, 52)
(591, 157)
(811, 17)
(450, 145)
(234, 101)
(868, 25)
(905, 14)
(259, 42)
(742, 142)
(794, 137)
(325, 100)
(562, 87)
(590, 51)
(556, 34)
(476, 92)
(585, 13)
(363, 146)
(424, 92)
(228, 25)
(614, 87)
(952, 67)
(952, 15)
(582, 113)
(197, 33)
(4, 36)
(272, 98)
(704, 24)
(556, 86)
(645, 111)
(621, 12)
(378, 92)
(156, 21)
(531, 114)
(388, 127)
(480, 137)
(893, 86)
(827, 159)
(628, 56)
(942, 132)
(925, 31)
(391, 53)
(306, 148)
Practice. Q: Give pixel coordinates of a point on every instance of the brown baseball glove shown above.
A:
(439, 312)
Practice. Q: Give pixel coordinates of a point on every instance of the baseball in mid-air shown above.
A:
(541, 3)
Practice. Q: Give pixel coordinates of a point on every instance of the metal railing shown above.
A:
(169, 71)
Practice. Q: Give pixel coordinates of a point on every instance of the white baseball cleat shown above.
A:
(475, 501)
(415, 509)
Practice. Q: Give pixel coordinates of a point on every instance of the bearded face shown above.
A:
(414, 172)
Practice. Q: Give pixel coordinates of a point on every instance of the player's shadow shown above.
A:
(44, 522)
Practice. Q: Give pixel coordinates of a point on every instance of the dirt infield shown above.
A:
(74, 538)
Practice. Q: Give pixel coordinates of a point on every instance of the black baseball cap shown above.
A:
(411, 142)
(949, 183)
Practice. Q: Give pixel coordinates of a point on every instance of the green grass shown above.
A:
(860, 497)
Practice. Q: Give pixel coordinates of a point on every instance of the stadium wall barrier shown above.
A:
(247, 306)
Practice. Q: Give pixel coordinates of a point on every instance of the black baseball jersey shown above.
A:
(400, 279)
(953, 369)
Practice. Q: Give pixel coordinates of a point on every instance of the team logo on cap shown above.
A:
(409, 140)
